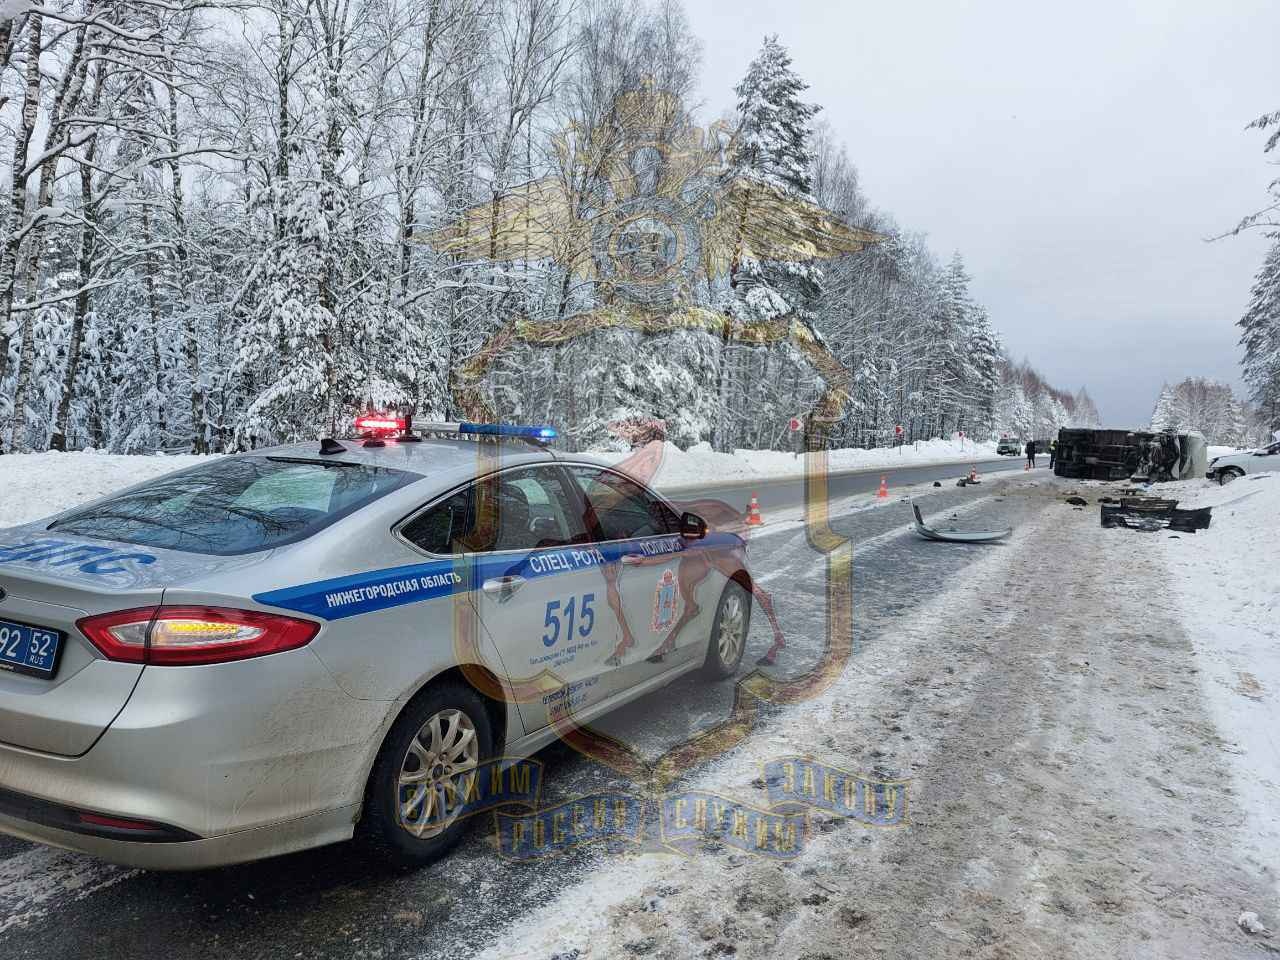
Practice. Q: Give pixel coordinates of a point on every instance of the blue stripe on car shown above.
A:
(350, 596)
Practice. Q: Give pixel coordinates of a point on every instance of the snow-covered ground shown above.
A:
(1228, 582)
(39, 484)
(700, 465)
(36, 485)
(1067, 785)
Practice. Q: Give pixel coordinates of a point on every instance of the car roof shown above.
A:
(427, 456)
(431, 456)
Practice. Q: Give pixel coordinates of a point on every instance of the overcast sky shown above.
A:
(1078, 158)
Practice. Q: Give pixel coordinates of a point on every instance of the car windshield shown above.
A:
(237, 505)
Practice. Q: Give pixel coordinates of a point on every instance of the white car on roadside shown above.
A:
(1235, 465)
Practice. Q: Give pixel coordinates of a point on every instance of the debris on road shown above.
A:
(1249, 923)
(1152, 513)
(1077, 501)
(955, 535)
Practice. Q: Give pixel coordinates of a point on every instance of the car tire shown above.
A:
(454, 715)
(729, 629)
(1227, 474)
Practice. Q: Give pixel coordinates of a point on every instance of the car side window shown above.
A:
(623, 509)
(517, 510)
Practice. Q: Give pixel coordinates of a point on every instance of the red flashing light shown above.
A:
(380, 424)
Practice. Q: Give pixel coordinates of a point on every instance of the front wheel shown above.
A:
(729, 629)
(423, 774)
(1228, 474)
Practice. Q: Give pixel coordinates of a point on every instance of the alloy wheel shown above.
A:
(732, 629)
(437, 772)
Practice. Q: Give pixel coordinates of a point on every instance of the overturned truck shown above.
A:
(1121, 454)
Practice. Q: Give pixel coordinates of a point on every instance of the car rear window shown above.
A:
(237, 505)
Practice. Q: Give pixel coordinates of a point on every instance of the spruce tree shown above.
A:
(775, 124)
(1165, 416)
(1261, 339)
(984, 362)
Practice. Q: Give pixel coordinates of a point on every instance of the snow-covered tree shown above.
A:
(1260, 338)
(775, 124)
(1084, 412)
(215, 216)
(1268, 217)
(1201, 405)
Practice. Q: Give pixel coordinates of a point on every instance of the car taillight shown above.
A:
(174, 636)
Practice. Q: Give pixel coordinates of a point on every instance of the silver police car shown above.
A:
(280, 649)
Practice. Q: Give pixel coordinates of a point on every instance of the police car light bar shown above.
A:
(379, 423)
(527, 432)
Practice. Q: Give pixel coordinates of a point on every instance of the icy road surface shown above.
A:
(1069, 795)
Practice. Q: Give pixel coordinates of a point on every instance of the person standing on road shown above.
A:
(1053, 452)
(1031, 454)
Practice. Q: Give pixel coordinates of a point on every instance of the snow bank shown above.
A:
(1228, 581)
(1233, 568)
(700, 465)
(39, 484)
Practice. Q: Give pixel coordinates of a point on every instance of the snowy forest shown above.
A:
(1210, 408)
(223, 224)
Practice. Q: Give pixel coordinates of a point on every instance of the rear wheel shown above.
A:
(729, 629)
(1227, 474)
(423, 773)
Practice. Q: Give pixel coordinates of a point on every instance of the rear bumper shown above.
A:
(45, 813)
(330, 826)
(232, 761)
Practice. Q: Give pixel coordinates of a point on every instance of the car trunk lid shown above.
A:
(52, 582)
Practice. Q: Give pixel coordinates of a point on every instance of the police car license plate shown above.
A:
(27, 649)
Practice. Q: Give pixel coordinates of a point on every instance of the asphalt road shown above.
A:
(784, 493)
(333, 902)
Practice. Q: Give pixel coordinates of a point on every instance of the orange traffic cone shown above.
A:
(1026, 466)
(883, 492)
(753, 513)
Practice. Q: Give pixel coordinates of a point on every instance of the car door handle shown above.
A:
(502, 587)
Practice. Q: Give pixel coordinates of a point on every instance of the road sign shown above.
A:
(795, 423)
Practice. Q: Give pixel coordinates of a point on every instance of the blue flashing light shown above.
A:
(528, 432)
(509, 430)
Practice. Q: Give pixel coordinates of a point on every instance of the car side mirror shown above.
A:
(692, 527)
